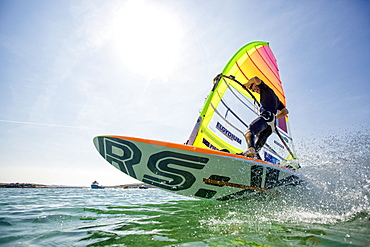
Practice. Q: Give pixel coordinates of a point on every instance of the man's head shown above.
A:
(254, 88)
(253, 83)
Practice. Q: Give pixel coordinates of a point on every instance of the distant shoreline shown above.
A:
(36, 186)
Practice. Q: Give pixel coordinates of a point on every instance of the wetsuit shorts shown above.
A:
(258, 125)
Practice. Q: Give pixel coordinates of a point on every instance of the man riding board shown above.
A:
(262, 127)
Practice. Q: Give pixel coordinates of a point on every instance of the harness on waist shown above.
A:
(269, 117)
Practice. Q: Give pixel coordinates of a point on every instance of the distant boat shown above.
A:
(95, 185)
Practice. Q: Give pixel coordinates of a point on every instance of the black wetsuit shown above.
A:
(270, 103)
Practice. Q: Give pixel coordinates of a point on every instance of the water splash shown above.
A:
(336, 168)
(324, 210)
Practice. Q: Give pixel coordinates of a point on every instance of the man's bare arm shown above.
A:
(282, 113)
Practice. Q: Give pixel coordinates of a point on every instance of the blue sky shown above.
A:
(71, 70)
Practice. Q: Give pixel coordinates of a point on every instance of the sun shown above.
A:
(147, 38)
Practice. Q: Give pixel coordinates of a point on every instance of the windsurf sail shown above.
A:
(230, 107)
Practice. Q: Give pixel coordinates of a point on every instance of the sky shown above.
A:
(72, 70)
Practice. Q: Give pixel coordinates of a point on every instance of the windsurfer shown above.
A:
(264, 124)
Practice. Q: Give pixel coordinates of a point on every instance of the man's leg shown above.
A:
(250, 138)
(262, 138)
(257, 126)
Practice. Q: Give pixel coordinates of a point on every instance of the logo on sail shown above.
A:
(227, 133)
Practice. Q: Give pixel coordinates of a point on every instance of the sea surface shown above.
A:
(331, 208)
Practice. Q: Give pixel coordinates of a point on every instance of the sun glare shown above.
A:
(147, 38)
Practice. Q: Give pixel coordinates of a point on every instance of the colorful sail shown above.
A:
(230, 108)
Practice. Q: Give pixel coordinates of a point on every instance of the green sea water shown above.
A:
(137, 217)
(331, 208)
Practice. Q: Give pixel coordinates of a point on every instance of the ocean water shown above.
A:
(330, 209)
